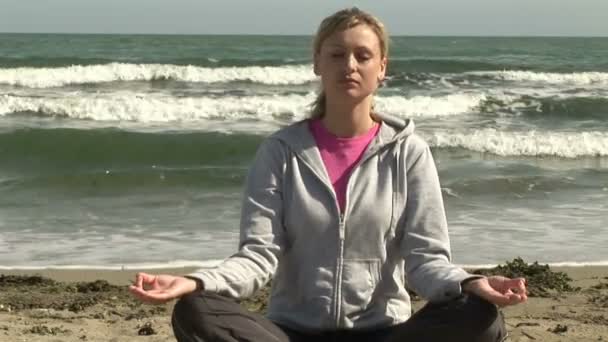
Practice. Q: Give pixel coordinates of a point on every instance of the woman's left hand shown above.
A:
(499, 290)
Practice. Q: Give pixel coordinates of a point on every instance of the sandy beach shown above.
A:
(94, 305)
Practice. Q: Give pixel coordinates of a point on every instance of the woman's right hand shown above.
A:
(158, 289)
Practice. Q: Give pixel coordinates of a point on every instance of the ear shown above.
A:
(382, 73)
(316, 64)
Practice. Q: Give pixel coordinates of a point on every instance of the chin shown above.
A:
(351, 95)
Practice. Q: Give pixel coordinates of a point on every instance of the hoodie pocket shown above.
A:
(314, 293)
(359, 280)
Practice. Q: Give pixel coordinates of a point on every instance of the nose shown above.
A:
(350, 63)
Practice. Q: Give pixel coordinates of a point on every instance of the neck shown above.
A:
(348, 120)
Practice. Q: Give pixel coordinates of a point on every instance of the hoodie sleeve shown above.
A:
(425, 244)
(261, 230)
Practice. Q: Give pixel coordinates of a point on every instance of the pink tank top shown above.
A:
(340, 155)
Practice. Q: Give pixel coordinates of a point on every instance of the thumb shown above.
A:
(143, 278)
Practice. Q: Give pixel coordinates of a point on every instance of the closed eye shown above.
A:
(364, 57)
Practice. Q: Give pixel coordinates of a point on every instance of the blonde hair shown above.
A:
(340, 21)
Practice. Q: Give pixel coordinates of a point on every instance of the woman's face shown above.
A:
(350, 63)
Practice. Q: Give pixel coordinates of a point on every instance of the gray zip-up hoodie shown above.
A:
(337, 271)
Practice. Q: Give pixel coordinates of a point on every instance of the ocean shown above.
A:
(121, 151)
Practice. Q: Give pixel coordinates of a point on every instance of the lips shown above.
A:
(348, 81)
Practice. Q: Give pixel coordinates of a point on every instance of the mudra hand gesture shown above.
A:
(158, 289)
(499, 290)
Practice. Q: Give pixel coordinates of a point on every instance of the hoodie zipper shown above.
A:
(342, 235)
(338, 282)
(341, 225)
(341, 230)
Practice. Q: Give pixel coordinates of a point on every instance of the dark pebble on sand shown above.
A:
(146, 330)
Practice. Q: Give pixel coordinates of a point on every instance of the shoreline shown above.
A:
(580, 315)
(123, 276)
(213, 262)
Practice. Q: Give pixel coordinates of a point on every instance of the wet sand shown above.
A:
(94, 305)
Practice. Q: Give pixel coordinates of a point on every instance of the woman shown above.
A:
(338, 210)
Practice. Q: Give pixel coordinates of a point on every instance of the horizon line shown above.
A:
(304, 35)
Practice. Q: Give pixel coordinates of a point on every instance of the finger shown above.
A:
(520, 285)
(153, 294)
(516, 286)
(139, 279)
(503, 299)
(512, 283)
(153, 297)
(499, 284)
(512, 291)
(144, 279)
(522, 289)
(516, 299)
(487, 292)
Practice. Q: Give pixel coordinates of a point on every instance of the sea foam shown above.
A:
(559, 144)
(146, 108)
(77, 74)
(577, 78)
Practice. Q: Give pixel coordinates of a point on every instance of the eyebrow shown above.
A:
(360, 47)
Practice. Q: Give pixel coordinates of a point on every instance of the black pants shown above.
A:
(207, 317)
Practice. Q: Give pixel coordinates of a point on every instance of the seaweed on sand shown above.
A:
(541, 280)
(36, 292)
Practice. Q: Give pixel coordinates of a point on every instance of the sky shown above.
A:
(402, 17)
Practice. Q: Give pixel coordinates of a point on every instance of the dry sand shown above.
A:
(96, 311)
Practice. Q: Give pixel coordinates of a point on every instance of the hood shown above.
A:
(298, 138)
